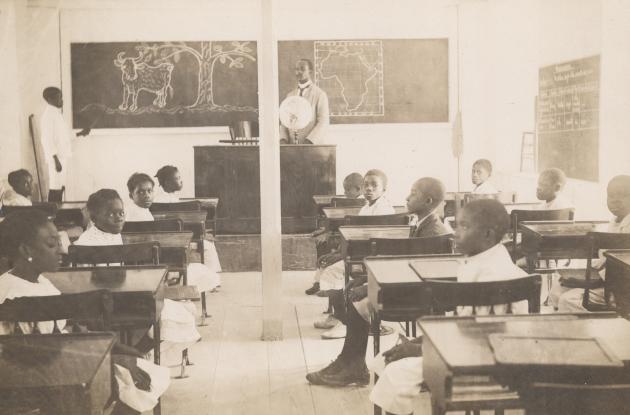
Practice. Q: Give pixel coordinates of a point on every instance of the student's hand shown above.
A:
(401, 351)
(57, 164)
(358, 293)
(84, 132)
(141, 379)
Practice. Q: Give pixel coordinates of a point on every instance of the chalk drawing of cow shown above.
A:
(139, 76)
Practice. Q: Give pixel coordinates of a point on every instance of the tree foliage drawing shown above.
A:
(163, 84)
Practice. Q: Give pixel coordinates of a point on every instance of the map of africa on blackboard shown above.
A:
(163, 84)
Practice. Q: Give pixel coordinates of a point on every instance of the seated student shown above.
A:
(549, 189)
(21, 190)
(481, 172)
(31, 241)
(480, 228)
(170, 183)
(331, 278)
(425, 198)
(567, 294)
(140, 187)
(327, 245)
(107, 213)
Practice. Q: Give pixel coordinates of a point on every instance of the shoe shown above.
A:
(384, 331)
(337, 332)
(355, 373)
(326, 323)
(314, 289)
(335, 366)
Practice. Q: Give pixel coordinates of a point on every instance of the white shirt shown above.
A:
(93, 236)
(493, 264)
(560, 202)
(135, 213)
(485, 188)
(13, 198)
(55, 134)
(14, 287)
(162, 196)
(382, 206)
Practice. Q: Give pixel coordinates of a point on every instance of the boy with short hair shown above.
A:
(569, 293)
(353, 186)
(480, 228)
(21, 182)
(170, 182)
(549, 189)
(426, 196)
(481, 172)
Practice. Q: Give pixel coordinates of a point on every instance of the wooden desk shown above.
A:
(355, 240)
(618, 279)
(64, 373)
(323, 201)
(395, 291)
(336, 216)
(72, 214)
(137, 292)
(557, 240)
(194, 221)
(458, 346)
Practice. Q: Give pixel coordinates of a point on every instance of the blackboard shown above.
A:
(568, 118)
(178, 84)
(374, 81)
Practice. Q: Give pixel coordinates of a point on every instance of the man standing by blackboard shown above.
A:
(55, 141)
(315, 130)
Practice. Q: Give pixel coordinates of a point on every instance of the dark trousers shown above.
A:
(357, 332)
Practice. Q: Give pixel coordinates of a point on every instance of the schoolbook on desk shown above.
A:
(436, 269)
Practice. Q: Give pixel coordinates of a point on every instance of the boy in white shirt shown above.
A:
(140, 187)
(480, 228)
(549, 189)
(21, 190)
(481, 172)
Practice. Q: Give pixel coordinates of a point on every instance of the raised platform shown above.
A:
(242, 252)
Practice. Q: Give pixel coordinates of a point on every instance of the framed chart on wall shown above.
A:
(163, 84)
(568, 118)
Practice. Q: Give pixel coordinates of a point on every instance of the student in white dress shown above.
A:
(551, 182)
(170, 184)
(567, 294)
(21, 182)
(31, 242)
(481, 172)
(331, 278)
(177, 320)
(140, 187)
(480, 228)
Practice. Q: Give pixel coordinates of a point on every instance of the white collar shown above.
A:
(305, 85)
(488, 253)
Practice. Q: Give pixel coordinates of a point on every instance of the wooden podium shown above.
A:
(232, 173)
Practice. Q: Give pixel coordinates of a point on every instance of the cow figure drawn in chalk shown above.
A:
(139, 76)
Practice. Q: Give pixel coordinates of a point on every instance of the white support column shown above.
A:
(271, 237)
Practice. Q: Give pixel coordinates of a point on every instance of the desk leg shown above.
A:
(531, 263)
(376, 332)
(156, 341)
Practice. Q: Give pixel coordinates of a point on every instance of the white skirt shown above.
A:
(138, 399)
(332, 277)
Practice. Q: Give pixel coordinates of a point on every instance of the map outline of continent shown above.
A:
(325, 50)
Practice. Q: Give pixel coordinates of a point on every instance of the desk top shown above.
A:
(186, 216)
(398, 270)
(364, 233)
(166, 239)
(323, 200)
(462, 342)
(115, 279)
(205, 201)
(620, 256)
(553, 229)
(52, 360)
(342, 212)
(71, 205)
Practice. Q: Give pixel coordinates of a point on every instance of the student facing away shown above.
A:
(31, 242)
(425, 198)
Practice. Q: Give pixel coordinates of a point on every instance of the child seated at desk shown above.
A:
(481, 172)
(31, 241)
(170, 184)
(332, 278)
(21, 182)
(549, 189)
(326, 243)
(177, 320)
(140, 187)
(567, 294)
(480, 228)
(425, 198)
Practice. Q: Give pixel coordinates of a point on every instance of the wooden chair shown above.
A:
(194, 220)
(569, 399)
(49, 208)
(166, 225)
(412, 246)
(346, 202)
(395, 219)
(476, 393)
(131, 254)
(519, 215)
(600, 241)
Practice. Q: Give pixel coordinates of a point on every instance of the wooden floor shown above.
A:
(236, 373)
